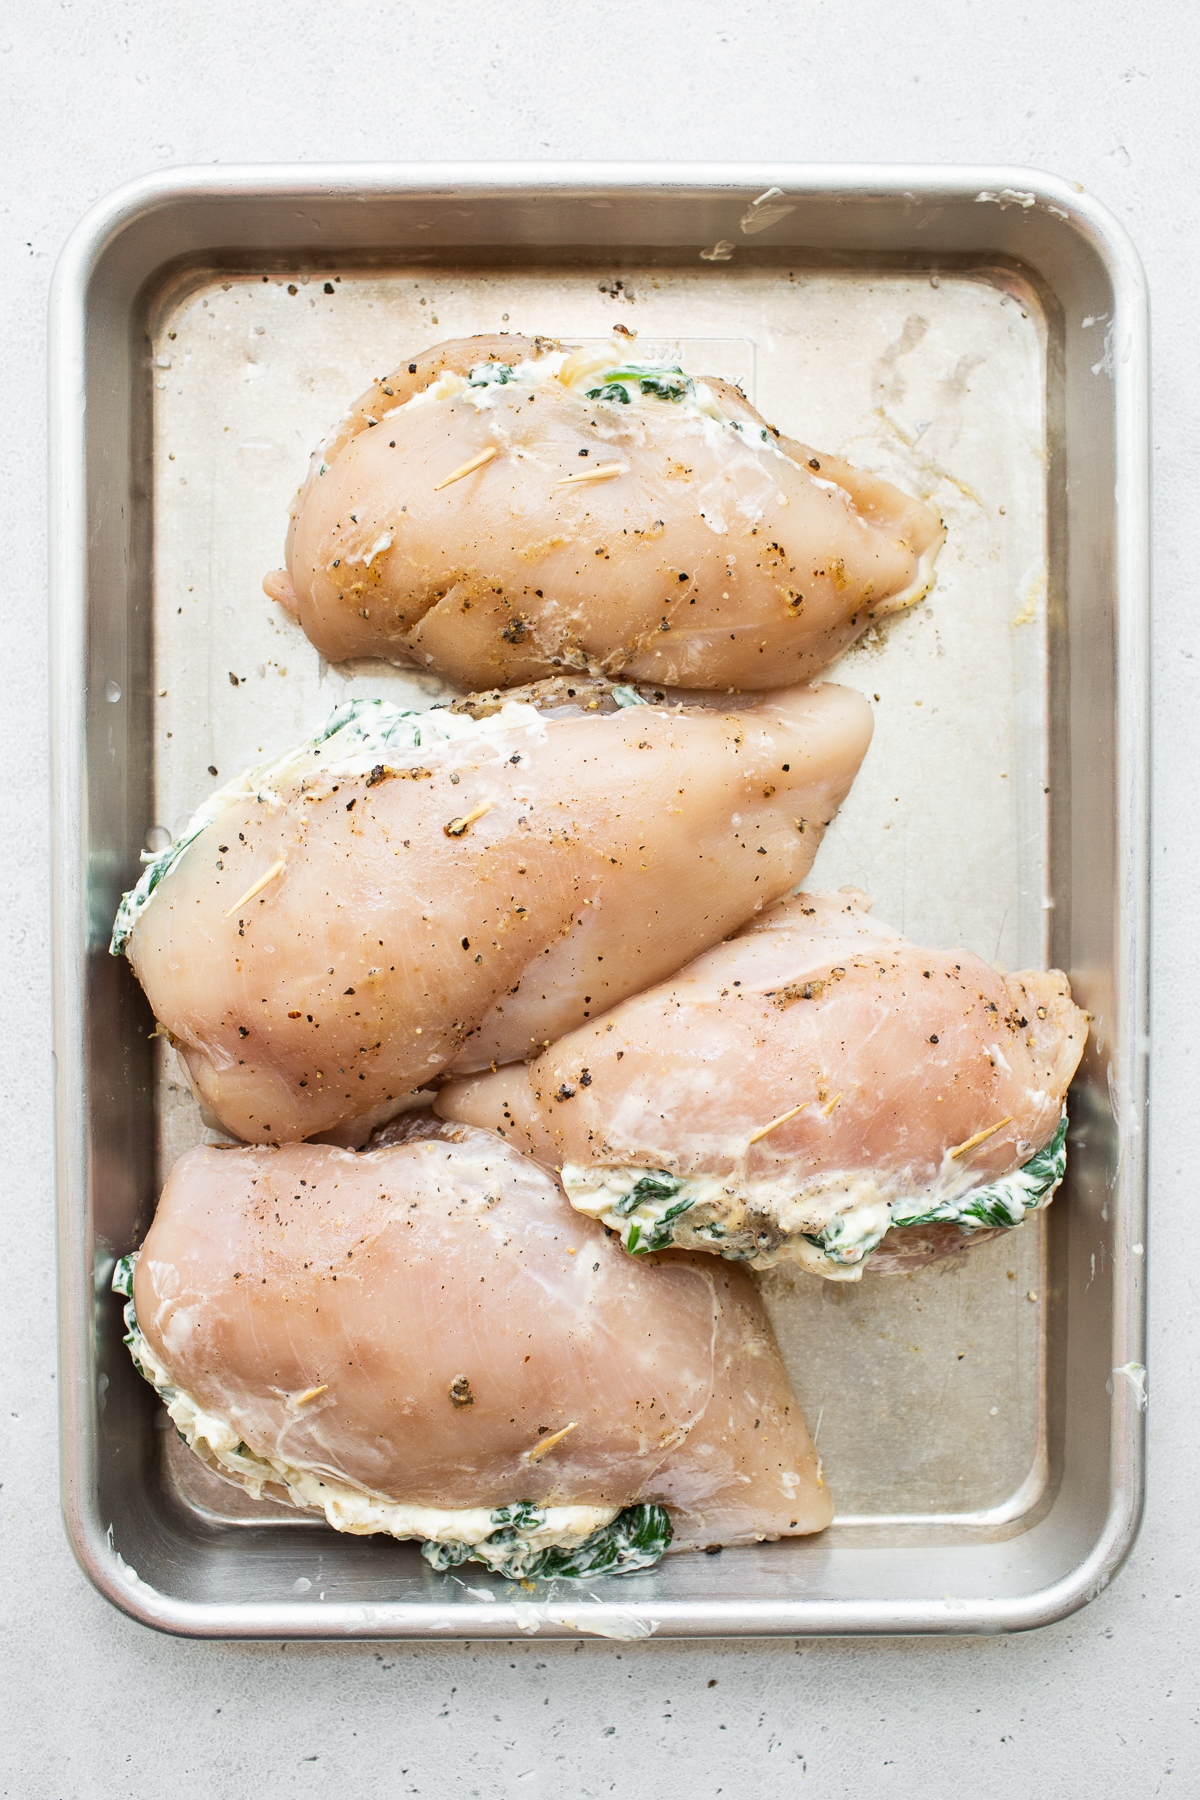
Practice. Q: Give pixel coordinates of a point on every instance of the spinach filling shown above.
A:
(1002, 1203)
(132, 903)
(653, 1231)
(122, 1283)
(659, 383)
(635, 1539)
(490, 375)
(843, 1240)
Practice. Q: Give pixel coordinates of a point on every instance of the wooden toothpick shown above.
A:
(548, 1443)
(468, 468)
(457, 827)
(299, 1400)
(604, 472)
(979, 1137)
(276, 868)
(781, 1120)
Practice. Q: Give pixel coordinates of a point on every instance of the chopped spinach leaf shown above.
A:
(446, 1556)
(635, 1539)
(658, 1234)
(490, 375)
(655, 1185)
(132, 903)
(1002, 1203)
(659, 383)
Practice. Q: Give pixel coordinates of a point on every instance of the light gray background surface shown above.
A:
(92, 94)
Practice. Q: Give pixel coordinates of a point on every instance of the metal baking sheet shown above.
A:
(932, 331)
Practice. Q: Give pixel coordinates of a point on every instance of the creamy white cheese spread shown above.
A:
(829, 1227)
(612, 381)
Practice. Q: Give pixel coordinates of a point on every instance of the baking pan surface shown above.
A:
(939, 1400)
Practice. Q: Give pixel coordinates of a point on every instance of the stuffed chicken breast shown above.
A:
(411, 892)
(425, 1340)
(501, 508)
(814, 1088)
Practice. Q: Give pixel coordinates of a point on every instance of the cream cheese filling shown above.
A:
(830, 1226)
(608, 378)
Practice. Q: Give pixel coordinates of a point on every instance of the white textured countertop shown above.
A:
(93, 1705)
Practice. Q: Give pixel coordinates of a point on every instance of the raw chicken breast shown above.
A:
(500, 508)
(415, 891)
(801, 1090)
(425, 1340)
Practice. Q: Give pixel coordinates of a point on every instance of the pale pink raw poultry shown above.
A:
(912, 1077)
(432, 1326)
(500, 530)
(333, 941)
